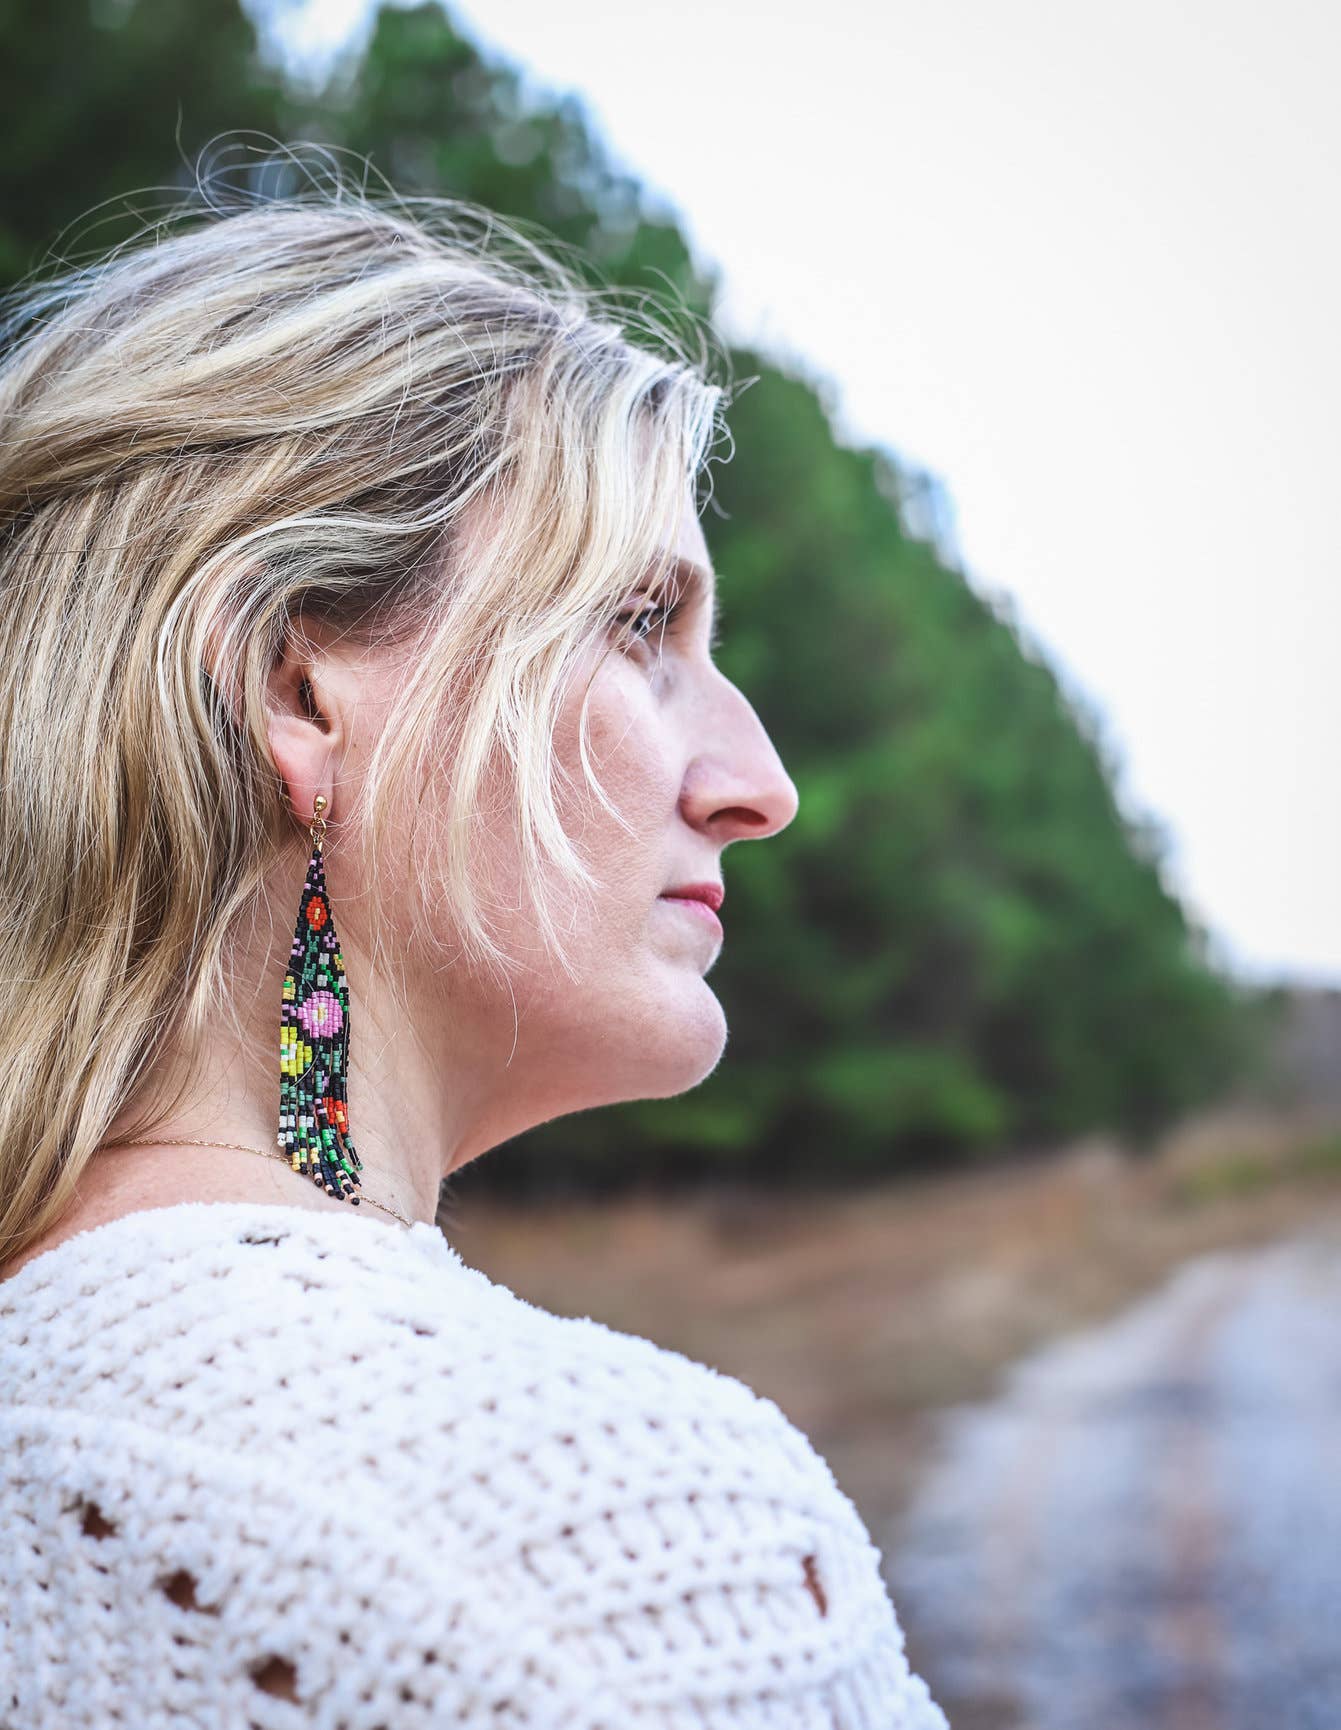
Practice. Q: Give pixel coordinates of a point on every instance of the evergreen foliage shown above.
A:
(961, 945)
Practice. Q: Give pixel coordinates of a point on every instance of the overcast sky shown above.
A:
(1081, 261)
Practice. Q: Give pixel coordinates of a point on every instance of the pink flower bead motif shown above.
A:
(321, 1014)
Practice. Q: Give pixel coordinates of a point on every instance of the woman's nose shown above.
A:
(736, 788)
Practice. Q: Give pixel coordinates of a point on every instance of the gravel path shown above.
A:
(1144, 1531)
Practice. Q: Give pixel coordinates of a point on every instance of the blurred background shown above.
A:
(1019, 1184)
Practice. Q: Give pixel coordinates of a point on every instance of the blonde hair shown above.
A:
(262, 411)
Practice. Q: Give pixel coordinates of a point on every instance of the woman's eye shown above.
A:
(640, 622)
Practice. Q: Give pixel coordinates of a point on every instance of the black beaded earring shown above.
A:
(314, 1040)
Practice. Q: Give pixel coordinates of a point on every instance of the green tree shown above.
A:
(107, 97)
(961, 943)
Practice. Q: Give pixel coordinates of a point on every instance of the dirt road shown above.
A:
(1144, 1531)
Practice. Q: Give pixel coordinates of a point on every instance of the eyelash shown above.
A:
(666, 610)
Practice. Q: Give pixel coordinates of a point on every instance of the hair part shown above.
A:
(258, 413)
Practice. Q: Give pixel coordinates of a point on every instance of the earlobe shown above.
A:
(301, 754)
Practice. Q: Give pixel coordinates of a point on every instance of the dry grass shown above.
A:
(863, 1314)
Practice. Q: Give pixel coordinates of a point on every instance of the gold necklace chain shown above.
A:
(265, 1153)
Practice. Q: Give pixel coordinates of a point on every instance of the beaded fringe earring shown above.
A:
(314, 1040)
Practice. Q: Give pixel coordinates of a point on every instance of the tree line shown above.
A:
(962, 945)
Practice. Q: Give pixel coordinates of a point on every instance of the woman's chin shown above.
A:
(701, 1035)
(677, 1041)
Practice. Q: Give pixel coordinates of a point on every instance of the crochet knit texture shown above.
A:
(265, 1466)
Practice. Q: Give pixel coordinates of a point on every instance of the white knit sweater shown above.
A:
(264, 1466)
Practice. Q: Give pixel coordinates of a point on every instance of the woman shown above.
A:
(361, 535)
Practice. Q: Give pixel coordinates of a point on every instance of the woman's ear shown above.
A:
(304, 721)
(301, 721)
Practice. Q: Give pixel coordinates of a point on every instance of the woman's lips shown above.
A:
(697, 910)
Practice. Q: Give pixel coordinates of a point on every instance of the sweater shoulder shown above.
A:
(666, 1535)
(210, 1298)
